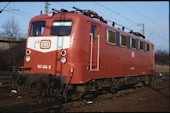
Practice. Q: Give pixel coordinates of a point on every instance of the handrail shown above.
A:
(91, 53)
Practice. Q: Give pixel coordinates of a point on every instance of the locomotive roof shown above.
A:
(76, 15)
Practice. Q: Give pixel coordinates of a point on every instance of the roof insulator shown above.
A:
(64, 10)
(123, 28)
(113, 24)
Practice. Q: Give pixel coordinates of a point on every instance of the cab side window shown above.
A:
(132, 43)
(147, 47)
(37, 28)
(93, 30)
(110, 36)
(141, 45)
(123, 40)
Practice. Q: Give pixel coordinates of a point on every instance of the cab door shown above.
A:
(94, 35)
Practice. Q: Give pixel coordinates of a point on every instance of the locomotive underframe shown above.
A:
(107, 84)
(40, 83)
(55, 85)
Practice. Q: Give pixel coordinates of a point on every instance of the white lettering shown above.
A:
(133, 54)
(45, 44)
(132, 68)
(39, 66)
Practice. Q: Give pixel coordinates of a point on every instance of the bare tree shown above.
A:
(162, 57)
(11, 28)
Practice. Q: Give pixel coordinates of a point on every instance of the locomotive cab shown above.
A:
(48, 60)
(47, 45)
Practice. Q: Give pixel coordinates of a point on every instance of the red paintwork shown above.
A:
(114, 61)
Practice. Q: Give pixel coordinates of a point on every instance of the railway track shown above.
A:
(53, 105)
(28, 105)
(5, 79)
(97, 97)
(49, 104)
(5, 83)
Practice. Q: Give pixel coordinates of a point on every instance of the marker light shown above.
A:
(50, 14)
(63, 53)
(27, 58)
(63, 60)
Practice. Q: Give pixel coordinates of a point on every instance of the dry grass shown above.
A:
(162, 68)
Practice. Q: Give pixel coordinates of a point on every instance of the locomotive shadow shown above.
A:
(89, 96)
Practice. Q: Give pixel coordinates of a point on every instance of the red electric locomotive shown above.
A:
(68, 54)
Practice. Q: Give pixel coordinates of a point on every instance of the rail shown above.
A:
(5, 80)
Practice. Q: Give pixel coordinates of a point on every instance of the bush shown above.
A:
(12, 57)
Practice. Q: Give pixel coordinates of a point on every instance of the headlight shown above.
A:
(50, 14)
(63, 60)
(27, 58)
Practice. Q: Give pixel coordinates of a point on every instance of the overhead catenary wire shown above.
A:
(20, 15)
(143, 15)
(116, 13)
(154, 33)
(119, 24)
(4, 7)
(116, 22)
(163, 38)
(9, 9)
(126, 18)
(32, 5)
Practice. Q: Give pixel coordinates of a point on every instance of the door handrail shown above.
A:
(91, 52)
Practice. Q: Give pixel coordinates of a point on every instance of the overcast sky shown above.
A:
(154, 15)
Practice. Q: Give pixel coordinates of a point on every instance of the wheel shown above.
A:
(147, 81)
(75, 96)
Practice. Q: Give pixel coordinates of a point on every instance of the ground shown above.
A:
(154, 98)
(150, 99)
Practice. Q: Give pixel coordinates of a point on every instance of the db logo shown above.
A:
(45, 44)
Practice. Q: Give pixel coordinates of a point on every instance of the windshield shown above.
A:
(37, 28)
(61, 27)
